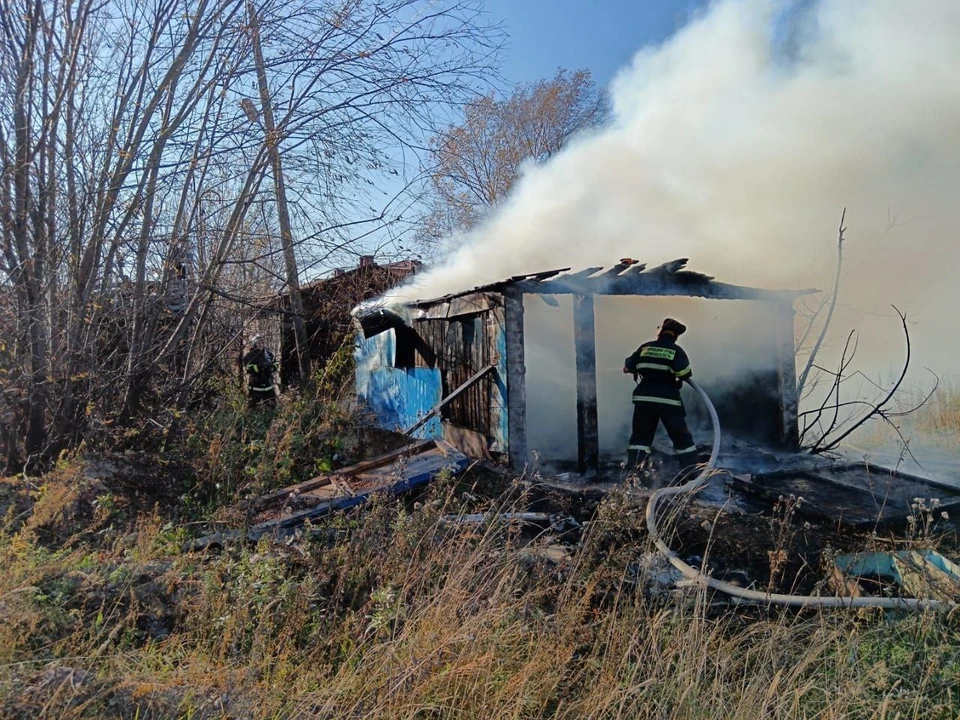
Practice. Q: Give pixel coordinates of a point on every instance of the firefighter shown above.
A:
(663, 367)
(260, 365)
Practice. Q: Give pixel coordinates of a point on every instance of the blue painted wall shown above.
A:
(396, 397)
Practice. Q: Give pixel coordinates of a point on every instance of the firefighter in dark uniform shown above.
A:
(260, 365)
(663, 367)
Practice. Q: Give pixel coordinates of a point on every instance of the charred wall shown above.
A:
(734, 347)
(737, 347)
(392, 357)
(461, 348)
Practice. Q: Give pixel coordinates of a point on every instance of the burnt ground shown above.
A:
(772, 544)
(771, 541)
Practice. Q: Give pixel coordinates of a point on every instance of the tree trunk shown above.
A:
(32, 260)
(283, 215)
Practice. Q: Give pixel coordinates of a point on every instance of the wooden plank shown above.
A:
(653, 283)
(578, 275)
(470, 305)
(538, 275)
(325, 479)
(495, 337)
(452, 396)
(618, 268)
(421, 471)
(585, 343)
(470, 442)
(341, 485)
(407, 450)
(516, 378)
(455, 307)
(326, 492)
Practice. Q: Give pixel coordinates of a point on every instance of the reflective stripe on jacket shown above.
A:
(662, 366)
(260, 366)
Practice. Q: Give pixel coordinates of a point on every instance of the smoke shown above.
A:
(738, 141)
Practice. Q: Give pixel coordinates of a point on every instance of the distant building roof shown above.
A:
(399, 269)
(396, 270)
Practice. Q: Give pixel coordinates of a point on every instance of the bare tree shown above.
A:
(841, 412)
(838, 418)
(829, 302)
(283, 210)
(134, 218)
(478, 161)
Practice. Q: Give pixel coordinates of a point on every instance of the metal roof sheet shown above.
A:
(628, 277)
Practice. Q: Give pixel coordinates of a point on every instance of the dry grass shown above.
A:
(408, 617)
(940, 418)
(933, 426)
(389, 612)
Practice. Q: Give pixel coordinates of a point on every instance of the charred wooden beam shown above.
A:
(516, 378)
(540, 275)
(634, 270)
(787, 376)
(624, 264)
(672, 267)
(585, 343)
(580, 274)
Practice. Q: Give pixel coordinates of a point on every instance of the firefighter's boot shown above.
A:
(687, 462)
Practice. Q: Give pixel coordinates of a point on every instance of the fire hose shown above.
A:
(744, 595)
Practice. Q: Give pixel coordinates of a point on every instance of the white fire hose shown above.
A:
(744, 595)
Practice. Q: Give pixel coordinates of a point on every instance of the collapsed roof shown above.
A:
(627, 277)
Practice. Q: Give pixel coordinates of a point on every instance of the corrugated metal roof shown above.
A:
(628, 277)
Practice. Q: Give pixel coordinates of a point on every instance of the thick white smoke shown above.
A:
(738, 142)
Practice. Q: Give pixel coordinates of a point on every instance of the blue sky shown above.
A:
(599, 35)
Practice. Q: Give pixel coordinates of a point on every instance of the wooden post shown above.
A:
(516, 379)
(787, 376)
(585, 342)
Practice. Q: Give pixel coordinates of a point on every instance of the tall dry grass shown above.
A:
(395, 612)
(940, 417)
(933, 426)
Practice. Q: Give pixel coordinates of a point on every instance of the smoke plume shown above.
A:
(737, 143)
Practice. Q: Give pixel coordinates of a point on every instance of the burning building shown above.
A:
(481, 373)
(462, 367)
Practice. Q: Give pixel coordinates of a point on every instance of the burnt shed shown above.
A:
(457, 367)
